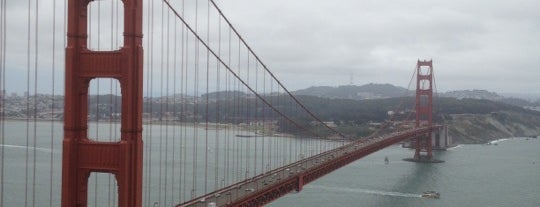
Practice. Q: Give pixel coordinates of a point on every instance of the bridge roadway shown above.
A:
(271, 185)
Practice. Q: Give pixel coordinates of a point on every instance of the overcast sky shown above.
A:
(481, 44)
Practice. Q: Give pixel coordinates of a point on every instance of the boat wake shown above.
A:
(455, 147)
(497, 141)
(25, 147)
(367, 191)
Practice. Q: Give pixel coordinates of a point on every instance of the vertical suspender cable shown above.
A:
(182, 158)
(236, 105)
(297, 151)
(275, 152)
(53, 65)
(112, 96)
(267, 132)
(264, 127)
(26, 199)
(184, 106)
(3, 37)
(196, 103)
(98, 112)
(160, 98)
(228, 112)
(280, 155)
(36, 62)
(167, 70)
(294, 110)
(173, 144)
(183, 89)
(257, 120)
(112, 106)
(206, 104)
(116, 110)
(283, 141)
(248, 120)
(177, 112)
(271, 142)
(151, 99)
(182, 184)
(238, 114)
(97, 96)
(232, 114)
(279, 148)
(145, 109)
(217, 109)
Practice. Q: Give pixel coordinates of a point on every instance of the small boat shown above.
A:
(431, 194)
(386, 161)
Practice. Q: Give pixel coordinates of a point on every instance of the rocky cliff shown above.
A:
(482, 128)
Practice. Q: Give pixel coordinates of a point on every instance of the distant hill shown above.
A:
(381, 91)
(472, 116)
(368, 91)
(470, 120)
(225, 95)
(486, 95)
(473, 94)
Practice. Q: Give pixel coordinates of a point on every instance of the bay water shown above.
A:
(506, 174)
(502, 175)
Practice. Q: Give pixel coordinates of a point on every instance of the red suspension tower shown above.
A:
(424, 108)
(82, 156)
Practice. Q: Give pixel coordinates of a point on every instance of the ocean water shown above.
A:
(506, 174)
(502, 175)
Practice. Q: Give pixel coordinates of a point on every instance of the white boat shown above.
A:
(431, 194)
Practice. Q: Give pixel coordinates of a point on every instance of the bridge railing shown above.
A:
(305, 171)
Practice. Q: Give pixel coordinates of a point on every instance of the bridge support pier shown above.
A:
(300, 183)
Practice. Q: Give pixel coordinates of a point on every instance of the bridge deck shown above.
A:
(264, 188)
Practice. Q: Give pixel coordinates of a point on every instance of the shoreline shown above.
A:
(145, 122)
(200, 125)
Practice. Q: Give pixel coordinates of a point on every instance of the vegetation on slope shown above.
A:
(470, 120)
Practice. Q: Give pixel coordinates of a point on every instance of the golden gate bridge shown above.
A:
(186, 115)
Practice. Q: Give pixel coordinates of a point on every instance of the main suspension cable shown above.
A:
(272, 74)
(201, 41)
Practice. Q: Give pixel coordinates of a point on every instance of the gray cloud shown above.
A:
(481, 44)
(490, 45)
